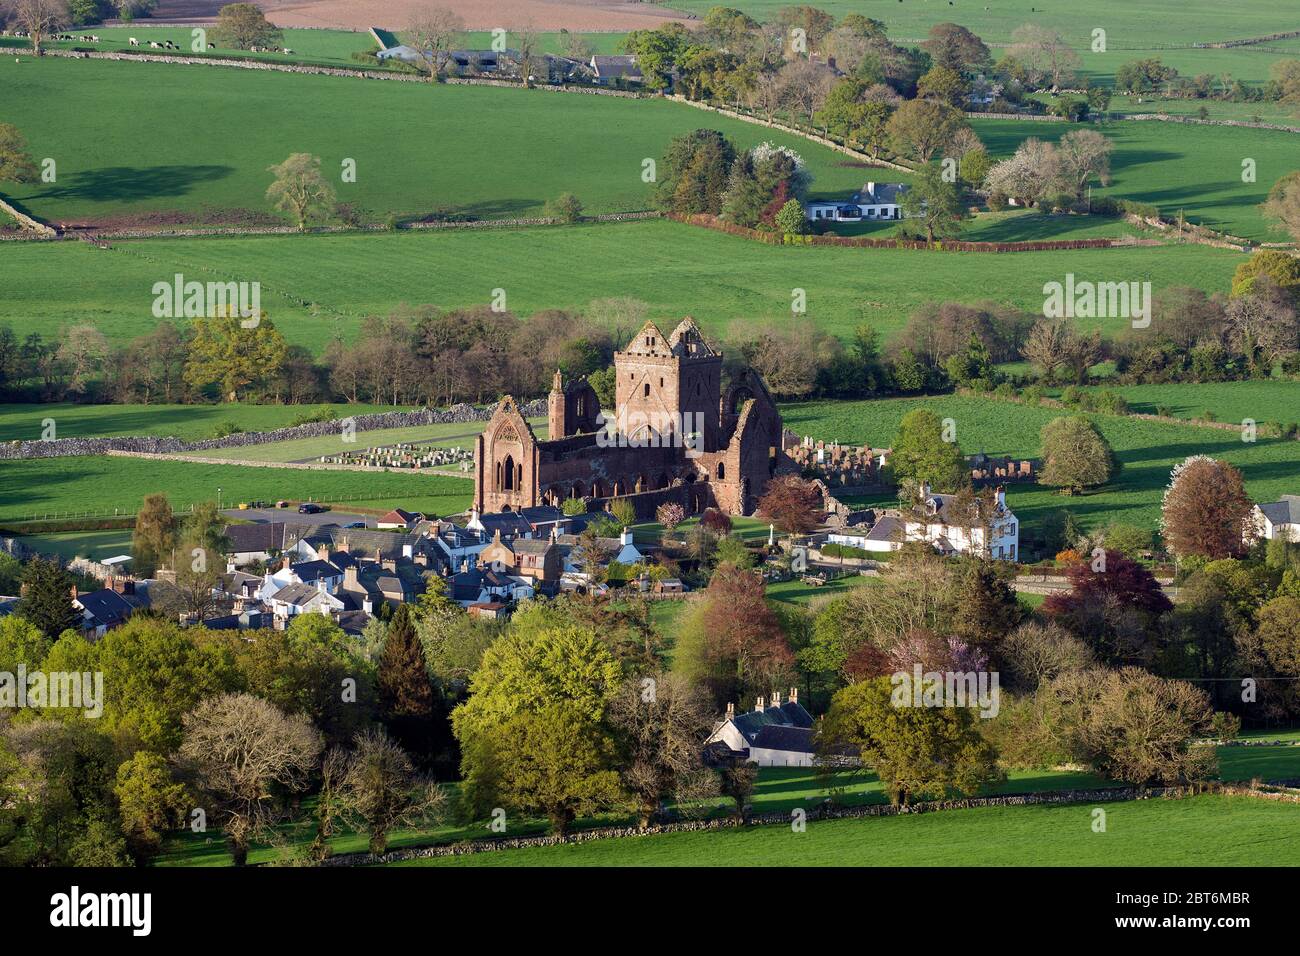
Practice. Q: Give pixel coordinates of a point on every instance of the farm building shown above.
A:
(773, 734)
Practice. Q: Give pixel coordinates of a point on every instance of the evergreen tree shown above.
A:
(407, 702)
(47, 598)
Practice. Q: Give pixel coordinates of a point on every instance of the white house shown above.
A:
(627, 552)
(887, 534)
(872, 202)
(1278, 519)
(939, 520)
(771, 735)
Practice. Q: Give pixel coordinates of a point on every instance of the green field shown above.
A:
(187, 422)
(1147, 451)
(110, 485)
(1260, 401)
(1129, 23)
(81, 544)
(317, 47)
(679, 270)
(1183, 169)
(1199, 831)
(150, 138)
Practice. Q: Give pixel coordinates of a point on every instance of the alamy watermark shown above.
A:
(920, 688)
(1084, 299)
(635, 429)
(180, 299)
(53, 690)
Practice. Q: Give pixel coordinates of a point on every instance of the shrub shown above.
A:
(566, 208)
(1164, 411)
(844, 551)
(226, 428)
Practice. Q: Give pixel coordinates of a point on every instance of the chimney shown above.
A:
(350, 582)
(625, 538)
(794, 695)
(324, 552)
(776, 698)
(731, 711)
(758, 705)
(1001, 495)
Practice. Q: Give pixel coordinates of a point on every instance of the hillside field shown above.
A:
(1189, 170)
(154, 138)
(677, 269)
(1198, 831)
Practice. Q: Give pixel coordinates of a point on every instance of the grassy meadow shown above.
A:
(162, 138)
(677, 269)
(1193, 170)
(100, 484)
(1198, 831)
(25, 422)
(1259, 401)
(1146, 451)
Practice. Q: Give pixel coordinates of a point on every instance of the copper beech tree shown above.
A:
(1206, 511)
(793, 504)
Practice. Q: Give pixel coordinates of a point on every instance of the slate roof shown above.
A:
(887, 528)
(509, 523)
(531, 545)
(781, 737)
(267, 536)
(789, 714)
(883, 193)
(310, 571)
(106, 606)
(1286, 511)
(621, 65)
(296, 594)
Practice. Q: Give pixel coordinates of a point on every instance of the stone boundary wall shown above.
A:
(150, 445)
(822, 812)
(27, 222)
(792, 130)
(1197, 121)
(1249, 41)
(198, 232)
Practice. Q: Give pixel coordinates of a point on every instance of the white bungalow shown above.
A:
(873, 202)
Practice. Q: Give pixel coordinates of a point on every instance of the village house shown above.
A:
(954, 525)
(874, 201)
(1278, 519)
(102, 610)
(399, 519)
(773, 734)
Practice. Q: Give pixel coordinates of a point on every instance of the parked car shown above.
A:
(355, 524)
(282, 504)
(310, 508)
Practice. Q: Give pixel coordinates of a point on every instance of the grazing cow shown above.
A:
(154, 45)
(133, 41)
(287, 50)
(212, 46)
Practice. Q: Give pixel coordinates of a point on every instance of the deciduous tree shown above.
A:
(1206, 510)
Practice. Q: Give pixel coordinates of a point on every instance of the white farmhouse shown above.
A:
(771, 735)
(951, 529)
(873, 201)
(1278, 519)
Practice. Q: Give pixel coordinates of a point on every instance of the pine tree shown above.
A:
(407, 702)
(47, 598)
